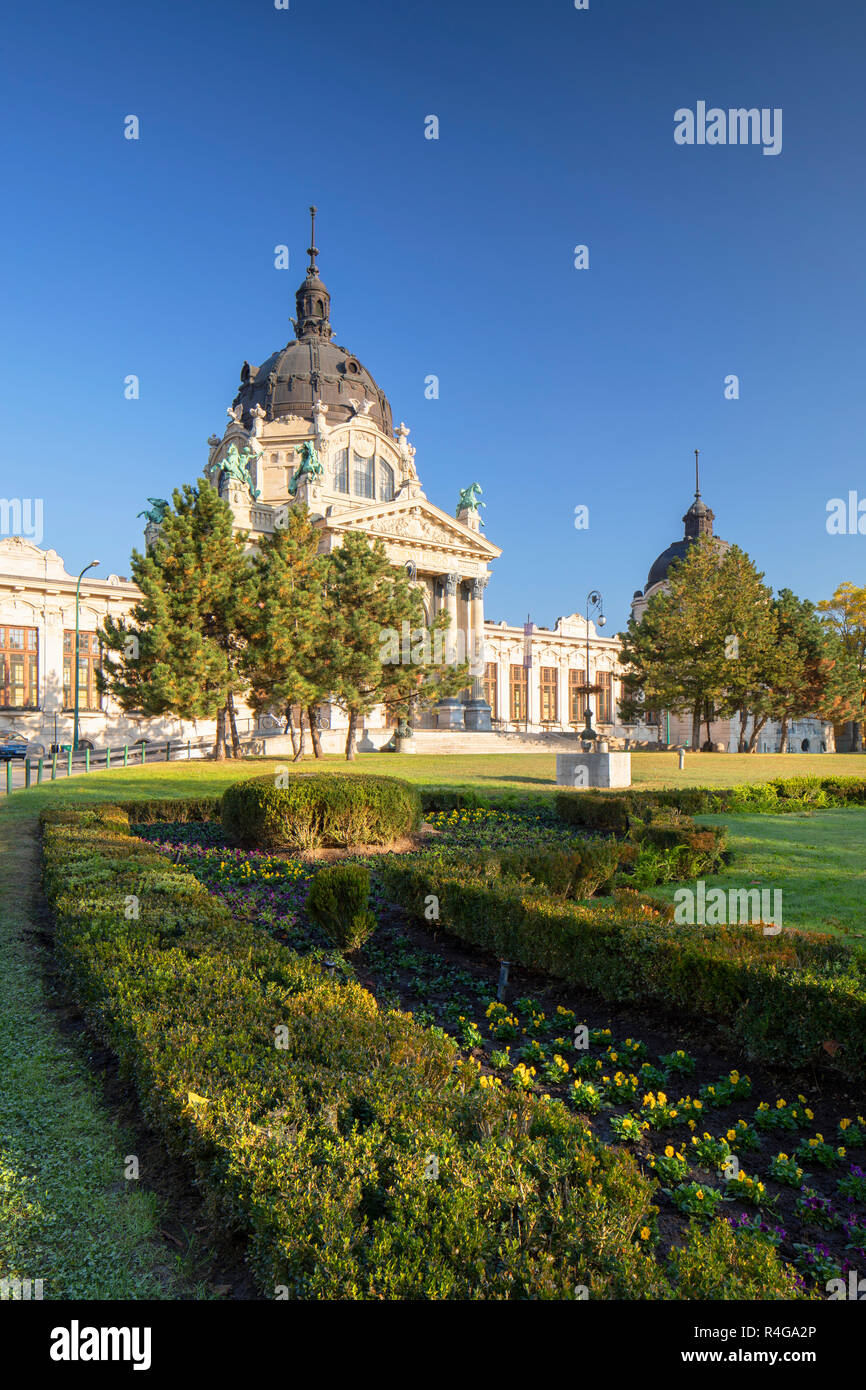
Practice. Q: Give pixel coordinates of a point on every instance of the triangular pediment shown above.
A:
(414, 519)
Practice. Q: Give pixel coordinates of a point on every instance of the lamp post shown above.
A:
(77, 601)
(593, 600)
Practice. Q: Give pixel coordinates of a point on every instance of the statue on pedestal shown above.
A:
(309, 469)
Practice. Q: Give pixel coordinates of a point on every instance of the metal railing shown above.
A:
(64, 763)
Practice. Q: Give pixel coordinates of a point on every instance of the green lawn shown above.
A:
(68, 1216)
(530, 772)
(817, 859)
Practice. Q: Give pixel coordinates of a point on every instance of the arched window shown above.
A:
(386, 481)
(341, 471)
(320, 308)
(362, 484)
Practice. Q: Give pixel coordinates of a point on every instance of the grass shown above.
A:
(817, 859)
(534, 773)
(67, 1214)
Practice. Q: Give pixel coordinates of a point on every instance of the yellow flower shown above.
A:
(644, 1232)
(700, 1196)
(669, 1151)
(843, 1124)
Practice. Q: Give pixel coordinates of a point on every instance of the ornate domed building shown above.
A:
(310, 425)
(669, 728)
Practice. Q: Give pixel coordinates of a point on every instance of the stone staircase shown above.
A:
(435, 741)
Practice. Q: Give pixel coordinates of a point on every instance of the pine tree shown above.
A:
(285, 623)
(179, 650)
(368, 602)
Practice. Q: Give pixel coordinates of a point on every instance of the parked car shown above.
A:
(14, 746)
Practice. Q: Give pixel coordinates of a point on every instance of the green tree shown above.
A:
(845, 614)
(180, 649)
(812, 674)
(699, 645)
(374, 620)
(284, 625)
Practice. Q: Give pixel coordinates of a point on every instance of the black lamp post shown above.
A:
(593, 600)
(77, 673)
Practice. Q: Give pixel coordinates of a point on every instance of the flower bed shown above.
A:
(355, 1149)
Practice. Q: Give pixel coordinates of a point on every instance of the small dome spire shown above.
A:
(313, 303)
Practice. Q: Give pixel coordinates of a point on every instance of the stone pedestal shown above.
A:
(449, 714)
(477, 716)
(581, 770)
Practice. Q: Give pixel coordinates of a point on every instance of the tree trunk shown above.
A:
(233, 724)
(741, 740)
(856, 736)
(299, 751)
(783, 738)
(219, 748)
(313, 717)
(753, 741)
(696, 726)
(350, 736)
(291, 731)
(708, 722)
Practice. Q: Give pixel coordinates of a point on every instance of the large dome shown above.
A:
(312, 368)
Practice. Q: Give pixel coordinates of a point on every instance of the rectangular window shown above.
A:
(604, 699)
(490, 685)
(518, 685)
(577, 698)
(363, 476)
(548, 679)
(88, 665)
(19, 667)
(341, 471)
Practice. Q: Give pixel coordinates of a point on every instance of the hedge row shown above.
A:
(781, 996)
(612, 811)
(359, 1156)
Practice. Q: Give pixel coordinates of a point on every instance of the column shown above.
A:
(478, 714)
(449, 712)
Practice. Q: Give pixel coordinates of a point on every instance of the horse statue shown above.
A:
(468, 500)
(236, 467)
(310, 466)
(156, 511)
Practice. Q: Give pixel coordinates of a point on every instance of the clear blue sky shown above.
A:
(559, 387)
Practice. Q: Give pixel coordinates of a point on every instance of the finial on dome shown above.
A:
(312, 249)
(697, 476)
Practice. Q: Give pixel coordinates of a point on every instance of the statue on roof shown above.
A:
(468, 501)
(236, 467)
(155, 513)
(309, 467)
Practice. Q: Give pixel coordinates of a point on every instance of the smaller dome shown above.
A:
(661, 565)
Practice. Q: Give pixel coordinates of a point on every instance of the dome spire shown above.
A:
(312, 249)
(312, 299)
(699, 518)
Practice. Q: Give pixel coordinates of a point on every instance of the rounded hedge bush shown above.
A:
(316, 809)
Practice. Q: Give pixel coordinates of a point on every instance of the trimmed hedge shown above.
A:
(782, 997)
(319, 809)
(579, 871)
(311, 1117)
(613, 811)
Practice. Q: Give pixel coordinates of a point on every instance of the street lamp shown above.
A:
(593, 600)
(77, 599)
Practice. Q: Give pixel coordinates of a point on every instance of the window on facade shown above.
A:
(341, 471)
(88, 665)
(490, 685)
(362, 482)
(518, 684)
(386, 481)
(577, 698)
(605, 696)
(547, 683)
(19, 667)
